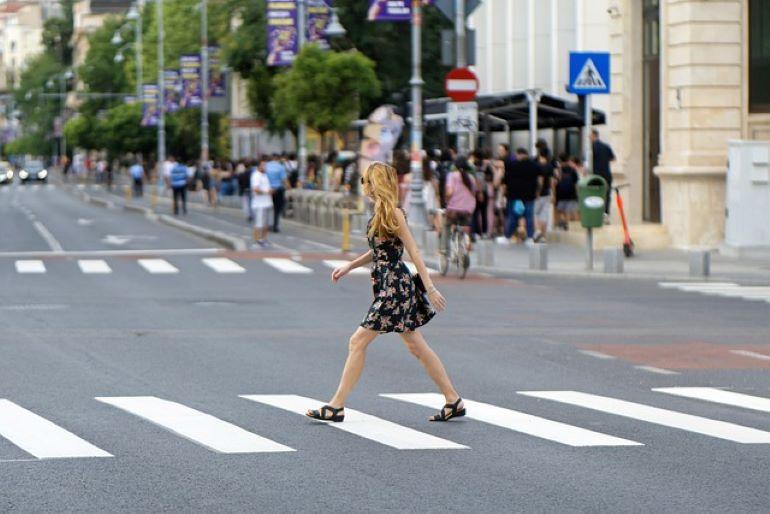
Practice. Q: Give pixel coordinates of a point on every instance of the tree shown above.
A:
(325, 89)
(99, 72)
(121, 131)
(83, 131)
(57, 34)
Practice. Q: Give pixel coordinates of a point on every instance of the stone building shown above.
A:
(687, 77)
(21, 30)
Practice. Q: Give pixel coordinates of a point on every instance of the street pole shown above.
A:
(162, 110)
(204, 83)
(587, 146)
(462, 62)
(138, 49)
(63, 145)
(302, 128)
(417, 215)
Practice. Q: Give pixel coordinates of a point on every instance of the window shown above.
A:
(759, 55)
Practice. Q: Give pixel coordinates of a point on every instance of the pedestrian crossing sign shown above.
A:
(589, 72)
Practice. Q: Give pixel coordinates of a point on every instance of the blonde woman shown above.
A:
(402, 303)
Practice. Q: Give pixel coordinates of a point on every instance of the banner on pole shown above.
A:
(172, 90)
(282, 41)
(190, 73)
(216, 77)
(317, 21)
(150, 107)
(392, 10)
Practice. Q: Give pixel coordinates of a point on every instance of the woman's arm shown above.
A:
(405, 235)
(361, 260)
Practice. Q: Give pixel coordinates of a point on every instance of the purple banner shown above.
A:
(281, 32)
(216, 77)
(317, 21)
(190, 74)
(172, 90)
(150, 110)
(392, 10)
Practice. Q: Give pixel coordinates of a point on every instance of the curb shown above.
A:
(228, 241)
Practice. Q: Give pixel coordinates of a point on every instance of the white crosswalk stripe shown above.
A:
(158, 266)
(40, 437)
(30, 266)
(196, 426)
(331, 263)
(723, 289)
(94, 266)
(655, 415)
(222, 265)
(287, 265)
(413, 268)
(520, 422)
(363, 425)
(712, 394)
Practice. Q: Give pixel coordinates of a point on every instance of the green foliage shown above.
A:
(37, 112)
(57, 34)
(184, 135)
(325, 89)
(121, 131)
(82, 131)
(99, 71)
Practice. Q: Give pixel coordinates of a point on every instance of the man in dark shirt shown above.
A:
(603, 156)
(523, 181)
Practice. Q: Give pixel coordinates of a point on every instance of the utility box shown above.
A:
(592, 195)
(747, 225)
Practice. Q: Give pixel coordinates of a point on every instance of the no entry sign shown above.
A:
(461, 85)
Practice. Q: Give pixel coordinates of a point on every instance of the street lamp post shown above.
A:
(417, 214)
(134, 15)
(63, 79)
(204, 83)
(161, 109)
(302, 128)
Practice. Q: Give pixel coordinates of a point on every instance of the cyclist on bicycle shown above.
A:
(461, 200)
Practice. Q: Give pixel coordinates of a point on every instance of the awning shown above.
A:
(500, 110)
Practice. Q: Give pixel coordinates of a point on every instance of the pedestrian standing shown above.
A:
(279, 181)
(522, 180)
(603, 156)
(261, 203)
(178, 180)
(544, 202)
(137, 175)
(566, 193)
(402, 303)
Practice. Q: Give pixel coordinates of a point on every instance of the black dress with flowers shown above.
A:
(399, 304)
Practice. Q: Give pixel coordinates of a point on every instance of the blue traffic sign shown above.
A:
(589, 73)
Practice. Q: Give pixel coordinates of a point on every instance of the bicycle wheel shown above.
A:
(464, 258)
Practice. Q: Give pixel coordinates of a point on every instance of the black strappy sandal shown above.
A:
(321, 414)
(453, 412)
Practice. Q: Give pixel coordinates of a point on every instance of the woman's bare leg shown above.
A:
(354, 364)
(418, 347)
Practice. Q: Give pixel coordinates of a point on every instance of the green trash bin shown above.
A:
(592, 195)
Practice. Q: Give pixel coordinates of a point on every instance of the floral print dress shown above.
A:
(399, 305)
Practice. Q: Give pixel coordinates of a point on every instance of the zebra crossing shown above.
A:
(721, 289)
(43, 439)
(158, 266)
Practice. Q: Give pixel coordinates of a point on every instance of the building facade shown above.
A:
(687, 77)
(21, 31)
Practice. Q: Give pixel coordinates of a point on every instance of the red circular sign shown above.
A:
(461, 85)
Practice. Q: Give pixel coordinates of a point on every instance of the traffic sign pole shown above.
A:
(588, 147)
(463, 138)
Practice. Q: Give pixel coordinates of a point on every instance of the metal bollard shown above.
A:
(431, 243)
(538, 257)
(345, 230)
(700, 263)
(613, 260)
(128, 193)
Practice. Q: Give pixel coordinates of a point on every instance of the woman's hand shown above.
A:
(340, 272)
(437, 300)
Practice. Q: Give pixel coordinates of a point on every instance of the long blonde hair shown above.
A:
(382, 183)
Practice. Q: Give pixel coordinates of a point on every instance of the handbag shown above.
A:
(418, 283)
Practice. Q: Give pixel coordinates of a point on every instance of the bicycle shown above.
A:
(459, 250)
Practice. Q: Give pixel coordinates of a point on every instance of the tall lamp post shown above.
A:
(133, 15)
(334, 29)
(63, 79)
(161, 109)
(204, 83)
(417, 215)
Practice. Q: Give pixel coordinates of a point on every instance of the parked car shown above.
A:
(6, 173)
(33, 171)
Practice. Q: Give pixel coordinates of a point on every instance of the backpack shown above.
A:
(179, 175)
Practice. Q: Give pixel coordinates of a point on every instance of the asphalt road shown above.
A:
(123, 379)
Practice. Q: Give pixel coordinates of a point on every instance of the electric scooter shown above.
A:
(628, 244)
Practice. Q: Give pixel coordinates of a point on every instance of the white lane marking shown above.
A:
(94, 266)
(55, 246)
(413, 268)
(30, 266)
(156, 266)
(223, 265)
(520, 422)
(753, 355)
(286, 265)
(361, 424)
(81, 186)
(659, 371)
(197, 426)
(40, 437)
(115, 253)
(598, 355)
(716, 285)
(712, 394)
(331, 263)
(664, 417)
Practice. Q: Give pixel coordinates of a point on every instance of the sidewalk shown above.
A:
(226, 225)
